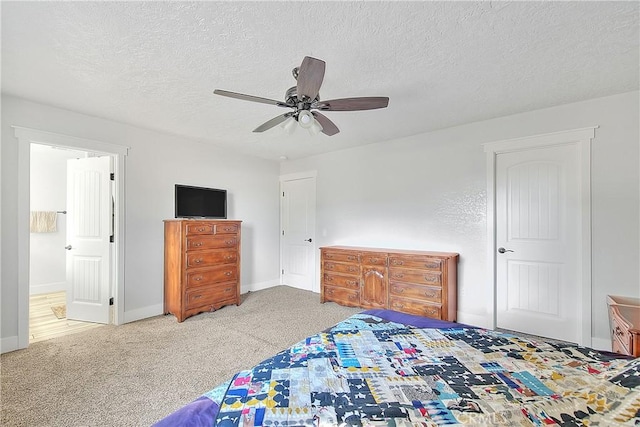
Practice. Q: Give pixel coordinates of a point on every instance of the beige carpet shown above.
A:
(60, 311)
(135, 374)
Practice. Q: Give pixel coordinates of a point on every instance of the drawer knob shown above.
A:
(397, 262)
(352, 268)
(227, 273)
(197, 278)
(352, 297)
(197, 260)
(229, 242)
(197, 296)
(373, 259)
(352, 282)
(228, 290)
(201, 228)
(197, 244)
(429, 294)
(351, 258)
(398, 290)
(430, 278)
(398, 275)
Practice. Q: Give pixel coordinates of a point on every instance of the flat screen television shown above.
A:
(200, 202)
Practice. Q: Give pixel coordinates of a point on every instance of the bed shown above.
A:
(384, 368)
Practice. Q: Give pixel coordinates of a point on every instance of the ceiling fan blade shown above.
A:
(310, 76)
(353, 104)
(249, 98)
(273, 122)
(328, 127)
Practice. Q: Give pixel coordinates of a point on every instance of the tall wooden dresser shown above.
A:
(415, 282)
(201, 265)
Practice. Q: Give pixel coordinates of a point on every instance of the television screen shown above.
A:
(200, 202)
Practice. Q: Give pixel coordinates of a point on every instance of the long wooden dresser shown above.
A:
(415, 282)
(201, 266)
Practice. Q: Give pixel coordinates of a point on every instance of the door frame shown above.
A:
(25, 137)
(581, 138)
(315, 284)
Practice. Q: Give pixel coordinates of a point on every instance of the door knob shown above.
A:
(68, 247)
(308, 240)
(503, 250)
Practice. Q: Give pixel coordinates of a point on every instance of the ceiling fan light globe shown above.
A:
(315, 128)
(305, 119)
(289, 125)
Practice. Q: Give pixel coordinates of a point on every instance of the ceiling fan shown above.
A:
(304, 100)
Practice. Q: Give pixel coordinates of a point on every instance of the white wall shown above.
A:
(47, 272)
(156, 162)
(429, 192)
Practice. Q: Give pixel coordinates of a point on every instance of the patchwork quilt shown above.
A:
(371, 371)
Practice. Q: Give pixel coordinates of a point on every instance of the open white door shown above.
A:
(89, 210)
(298, 210)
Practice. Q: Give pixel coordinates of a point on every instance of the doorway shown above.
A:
(54, 218)
(539, 234)
(297, 237)
(117, 153)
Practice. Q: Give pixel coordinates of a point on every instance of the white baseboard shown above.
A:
(473, 319)
(8, 344)
(47, 288)
(601, 344)
(252, 287)
(143, 313)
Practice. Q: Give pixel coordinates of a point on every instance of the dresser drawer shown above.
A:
(192, 228)
(217, 274)
(226, 228)
(372, 258)
(339, 267)
(421, 292)
(621, 333)
(342, 296)
(341, 256)
(211, 242)
(426, 277)
(199, 297)
(415, 307)
(341, 281)
(209, 258)
(419, 262)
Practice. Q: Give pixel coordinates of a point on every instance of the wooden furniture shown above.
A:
(624, 319)
(201, 265)
(415, 282)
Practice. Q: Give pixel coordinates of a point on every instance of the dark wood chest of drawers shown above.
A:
(415, 282)
(201, 266)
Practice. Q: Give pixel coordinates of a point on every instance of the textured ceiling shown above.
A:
(155, 64)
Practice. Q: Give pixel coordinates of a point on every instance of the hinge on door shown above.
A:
(111, 301)
(283, 232)
(113, 176)
(283, 194)
(111, 239)
(283, 271)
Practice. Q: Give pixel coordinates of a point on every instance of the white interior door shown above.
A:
(538, 226)
(298, 210)
(89, 210)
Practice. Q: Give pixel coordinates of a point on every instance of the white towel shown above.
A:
(43, 221)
